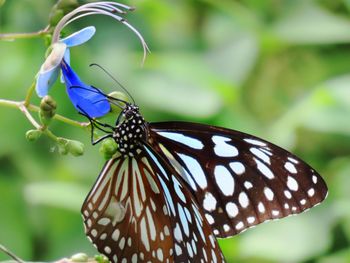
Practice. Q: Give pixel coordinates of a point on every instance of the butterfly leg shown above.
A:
(96, 124)
(100, 139)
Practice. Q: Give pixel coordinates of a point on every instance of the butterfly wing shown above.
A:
(238, 180)
(138, 211)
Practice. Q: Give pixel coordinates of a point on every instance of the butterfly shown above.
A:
(173, 188)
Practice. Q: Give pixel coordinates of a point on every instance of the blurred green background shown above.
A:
(278, 69)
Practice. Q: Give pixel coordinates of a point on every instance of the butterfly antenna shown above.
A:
(110, 75)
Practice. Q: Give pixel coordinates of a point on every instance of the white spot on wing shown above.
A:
(290, 167)
(264, 169)
(224, 180)
(222, 148)
(261, 155)
(231, 209)
(237, 167)
(261, 207)
(183, 220)
(287, 194)
(186, 140)
(209, 202)
(248, 185)
(178, 189)
(251, 219)
(195, 169)
(226, 227)
(292, 184)
(255, 142)
(275, 212)
(311, 192)
(243, 200)
(239, 226)
(144, 235)
(268, 193)
(293, 160)
(209, 218)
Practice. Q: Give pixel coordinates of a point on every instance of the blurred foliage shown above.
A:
(278, 69)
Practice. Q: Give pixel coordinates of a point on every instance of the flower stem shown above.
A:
(9, 253)
(13, 36)
(29, 94)
(26, 111)
(29, 116)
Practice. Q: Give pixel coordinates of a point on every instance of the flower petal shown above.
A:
(67, 60)
(86, 99)
(55, 57)
(45, 81)
(79, 37)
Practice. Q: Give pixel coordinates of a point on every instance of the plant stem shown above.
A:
(25, 111)
(9, 253)
(29, 94)
(13, 36)
(21, 105)
(59, 117)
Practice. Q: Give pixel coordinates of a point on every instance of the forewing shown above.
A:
(238, 180)
(138, 211)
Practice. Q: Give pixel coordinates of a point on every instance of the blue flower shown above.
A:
(49, 71)
(87, 100)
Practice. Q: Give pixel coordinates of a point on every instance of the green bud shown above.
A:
(62, 146)
(101, 259)
(33, 135)
(80, 257)
(108, 148)
(2, 2)
(118, 95)
(75, 148)
(47, 110)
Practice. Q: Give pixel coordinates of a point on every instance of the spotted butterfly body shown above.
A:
(174, 187)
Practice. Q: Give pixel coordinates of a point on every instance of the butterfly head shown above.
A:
(130, 130)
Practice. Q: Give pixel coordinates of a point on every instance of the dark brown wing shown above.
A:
(238, 180)
(139, 211)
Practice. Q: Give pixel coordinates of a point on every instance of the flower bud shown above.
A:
(75, 148)
(62, 146)
(118, 95)
(108, 148)
(79, 257)
(33, 135)
(47, 109)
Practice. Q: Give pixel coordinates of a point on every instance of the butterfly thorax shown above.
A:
(130, 131)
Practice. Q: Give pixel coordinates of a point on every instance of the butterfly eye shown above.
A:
(128, 114)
